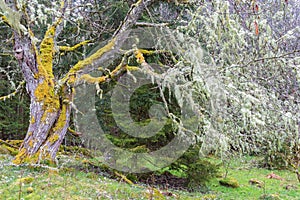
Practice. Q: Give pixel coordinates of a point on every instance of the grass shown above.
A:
(68, 182)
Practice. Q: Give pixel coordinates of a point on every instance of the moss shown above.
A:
(73, 48)
(140, 149)
(32, 120)
(29, 190)
(24, 157)
(31, 143)
(4, 18)
(53, 138)
(45, 93)
(139, 57)
(81, 64)
(3, 149)
(209, 197)
(229, 182)
(12, 151)
(61, 121)
(132, 68)
(89, 79)
(25, 180)
(47, 51)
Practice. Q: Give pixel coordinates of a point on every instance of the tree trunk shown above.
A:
(50, 105)
(49, 109)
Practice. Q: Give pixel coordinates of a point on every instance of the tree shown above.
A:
(51, 99)
(254, 57)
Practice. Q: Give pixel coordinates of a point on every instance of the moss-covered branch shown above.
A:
(73, 48)
(13, 93)
(98, 57)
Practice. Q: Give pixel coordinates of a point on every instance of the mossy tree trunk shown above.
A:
(51, 99)
(49, 107)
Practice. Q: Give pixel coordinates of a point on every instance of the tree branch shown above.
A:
(109, 51)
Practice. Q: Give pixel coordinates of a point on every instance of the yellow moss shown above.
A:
(4, 18)
(53, 138)
(8, 150)
(132, 68)
(26, 180)
(20, 156)
(47, 51)
(61, 121)
(32, 121)
(72, 79)
(81, 64)
(89, 79)
(45, 93)
(23, 157)
(73, 48)
(31, 143)
(15, 142)
(139, 57)
(147, 52)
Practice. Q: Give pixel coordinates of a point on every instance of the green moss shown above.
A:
(209, 197)
(12, 151)
(229, 182)
(16, 143)
(3, 149)
(24, 157)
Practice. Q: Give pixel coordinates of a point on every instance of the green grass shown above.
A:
(243, 170)
(69, 182)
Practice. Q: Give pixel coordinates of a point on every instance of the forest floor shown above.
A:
(79, 178)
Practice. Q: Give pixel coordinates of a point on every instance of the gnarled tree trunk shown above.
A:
(50, 105)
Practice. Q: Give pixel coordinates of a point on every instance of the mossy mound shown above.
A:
(229, 182)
